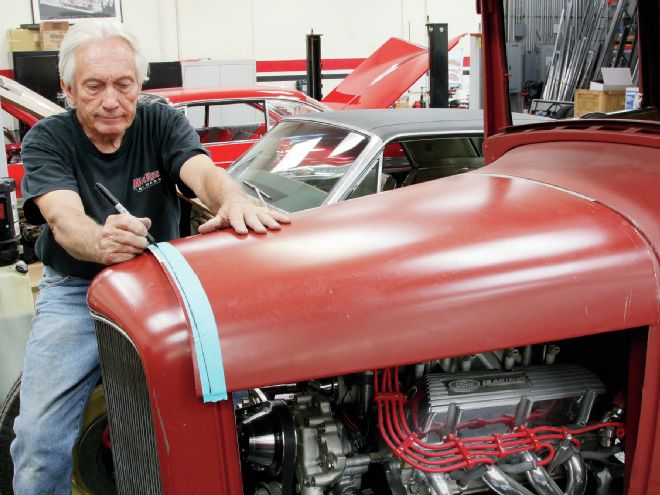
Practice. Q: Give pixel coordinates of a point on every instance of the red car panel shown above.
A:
(383, 77)
(18, 113)
(526, 254)
(582, 246)
(556, 239)
(223, 155)
(16, 172)
(187, 95)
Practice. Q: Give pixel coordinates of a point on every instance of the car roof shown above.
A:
(181, 95)
(391, 122)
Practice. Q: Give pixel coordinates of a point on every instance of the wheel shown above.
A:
(8, 412)
(93, 472)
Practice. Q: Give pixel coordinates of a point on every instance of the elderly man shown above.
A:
(141, 153)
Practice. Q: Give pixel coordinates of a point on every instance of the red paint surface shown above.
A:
(381, 78)
(186, 95)
(497, 111)
(16, 172)
(301, 65)
(224, 154)
(361, 279)
(18, 113)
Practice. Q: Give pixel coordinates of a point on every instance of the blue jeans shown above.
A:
(61, 369)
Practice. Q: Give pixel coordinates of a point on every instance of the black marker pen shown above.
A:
(114, 202)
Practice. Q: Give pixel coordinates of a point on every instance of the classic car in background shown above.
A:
(494, 331)
(322, 159)
(27, 107)
(231, 120)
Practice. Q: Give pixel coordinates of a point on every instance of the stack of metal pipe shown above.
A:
(587, 35)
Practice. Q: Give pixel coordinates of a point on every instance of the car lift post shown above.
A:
(314, 66)
(438, 65)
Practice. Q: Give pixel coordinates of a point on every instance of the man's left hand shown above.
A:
(242, 213)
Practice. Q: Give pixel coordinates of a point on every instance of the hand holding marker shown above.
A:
(114, 202)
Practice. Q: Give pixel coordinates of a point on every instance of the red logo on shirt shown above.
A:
(146, 181)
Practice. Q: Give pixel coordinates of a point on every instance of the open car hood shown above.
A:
(24, 104)
(383, 77)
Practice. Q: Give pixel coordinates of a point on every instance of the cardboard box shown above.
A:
(613, 78)
(587, 101)
(51, 34)
(23, 40)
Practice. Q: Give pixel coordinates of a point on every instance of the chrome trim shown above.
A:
(237, 141)
(363, 160)
(379, 185)
(99, 317)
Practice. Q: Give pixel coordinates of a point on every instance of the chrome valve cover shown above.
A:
(487, 402)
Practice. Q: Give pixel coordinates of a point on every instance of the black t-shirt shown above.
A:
(142, 174)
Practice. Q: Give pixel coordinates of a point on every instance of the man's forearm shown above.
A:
(79, 235)
(119, 239)
(218, 188)
(212, 185)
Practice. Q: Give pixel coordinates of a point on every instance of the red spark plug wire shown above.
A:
(455, 452)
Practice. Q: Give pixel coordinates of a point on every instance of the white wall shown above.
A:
(267, 29)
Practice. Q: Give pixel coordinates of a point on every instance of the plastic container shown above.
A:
(16, 313)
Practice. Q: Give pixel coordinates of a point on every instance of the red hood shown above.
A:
(383, 77)
(360, 279)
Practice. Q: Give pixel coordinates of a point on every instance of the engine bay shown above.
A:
(513, 421)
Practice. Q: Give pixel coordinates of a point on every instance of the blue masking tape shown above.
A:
(202, 321)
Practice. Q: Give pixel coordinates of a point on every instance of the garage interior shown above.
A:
(276, 68)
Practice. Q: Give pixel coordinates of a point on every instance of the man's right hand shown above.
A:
(122, 237)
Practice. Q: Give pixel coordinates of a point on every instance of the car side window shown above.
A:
(224, 122)
(368, 183)
(441, 157)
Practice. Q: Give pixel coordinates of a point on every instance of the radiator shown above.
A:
(129, 412)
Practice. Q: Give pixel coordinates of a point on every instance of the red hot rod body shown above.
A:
(410, 340)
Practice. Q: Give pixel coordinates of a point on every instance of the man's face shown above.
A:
(105, 88)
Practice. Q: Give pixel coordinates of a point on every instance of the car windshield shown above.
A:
(297, 164)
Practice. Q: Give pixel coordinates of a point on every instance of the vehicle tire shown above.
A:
(93, 471)
(8, 412)
(92, 460)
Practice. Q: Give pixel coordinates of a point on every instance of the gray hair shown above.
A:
(88, 31)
